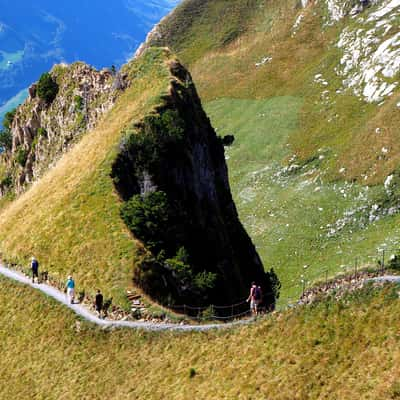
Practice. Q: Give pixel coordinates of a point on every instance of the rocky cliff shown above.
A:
(42, 131)
(171, 172)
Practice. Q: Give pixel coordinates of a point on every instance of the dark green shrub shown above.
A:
(275, 283)
(42, 132)
(228, 140)
(169, 124)
(205, 281)
(183, 273)
(78, 102)
(173, 280)
(80, 121)
(6, 182)
(274, 291)
(5, 133)
(208, 313)
(149, 273)
(159, 134)
(147, 217)
(179, 266)
(9, 118)
(34, 143)
(21, 157)
(394, 262)
(47, 88)
(5, 139)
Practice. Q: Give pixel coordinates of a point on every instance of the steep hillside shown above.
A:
(310, 91)
(154, 165)
(70, 219)
(348, 350)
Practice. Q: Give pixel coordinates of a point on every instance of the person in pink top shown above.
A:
(254, 298)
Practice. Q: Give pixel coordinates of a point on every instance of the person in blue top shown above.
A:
(71, 290)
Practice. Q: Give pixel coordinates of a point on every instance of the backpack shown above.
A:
(35, 264)
(257, 293)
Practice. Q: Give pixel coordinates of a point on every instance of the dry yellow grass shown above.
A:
(330, 351)
(70, 218)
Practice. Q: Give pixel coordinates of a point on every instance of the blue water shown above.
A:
(99, 32)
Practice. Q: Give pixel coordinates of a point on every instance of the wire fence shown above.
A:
(308, 276)
(376, 263)
(214, 312)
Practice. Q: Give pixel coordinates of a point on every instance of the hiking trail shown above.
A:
(86, 314)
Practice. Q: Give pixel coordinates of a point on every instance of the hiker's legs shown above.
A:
(71, 295)
(252, 306)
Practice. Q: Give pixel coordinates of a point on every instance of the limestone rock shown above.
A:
(41, 133)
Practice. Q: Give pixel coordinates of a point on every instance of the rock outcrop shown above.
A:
(187, 164)
(42, 132)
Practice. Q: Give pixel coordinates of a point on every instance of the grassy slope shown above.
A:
(284, 214)
(276, 110)
(330, 351)
(70, 219)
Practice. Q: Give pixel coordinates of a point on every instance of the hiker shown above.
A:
(254, 298)
(35, 269)
(71, 290)
(98, 302)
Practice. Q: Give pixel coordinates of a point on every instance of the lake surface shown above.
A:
(35, 35)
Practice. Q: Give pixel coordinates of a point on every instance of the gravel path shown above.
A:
(89, 316)
(386, 278)
(83, 312)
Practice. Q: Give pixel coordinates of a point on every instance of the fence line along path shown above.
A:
(83, 312)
